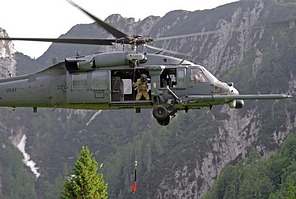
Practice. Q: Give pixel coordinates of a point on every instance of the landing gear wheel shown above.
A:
(164, 122)
(160, 112)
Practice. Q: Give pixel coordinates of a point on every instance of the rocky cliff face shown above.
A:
(12, 132)
(237, 131)
(7, 61)
(7, 65)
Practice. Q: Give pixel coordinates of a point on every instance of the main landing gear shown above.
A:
(163, 114)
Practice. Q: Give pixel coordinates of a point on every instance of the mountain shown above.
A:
(252, 177)
(7, 61)
(185, 158)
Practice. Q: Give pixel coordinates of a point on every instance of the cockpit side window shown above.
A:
(197, 75)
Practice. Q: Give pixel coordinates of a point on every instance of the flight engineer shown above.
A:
(142, 85)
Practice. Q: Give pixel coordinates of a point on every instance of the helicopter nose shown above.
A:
(233, 91)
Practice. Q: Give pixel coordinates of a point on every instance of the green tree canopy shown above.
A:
(84, 181)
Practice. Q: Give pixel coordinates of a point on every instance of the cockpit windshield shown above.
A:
(209, 75)
(197, 75)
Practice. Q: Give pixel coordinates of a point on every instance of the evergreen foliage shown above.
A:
(84, 181)
(270, 179)
(15, 182)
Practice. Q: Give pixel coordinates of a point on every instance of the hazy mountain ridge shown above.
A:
(185, 158)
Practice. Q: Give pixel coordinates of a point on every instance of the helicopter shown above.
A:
(104, 81)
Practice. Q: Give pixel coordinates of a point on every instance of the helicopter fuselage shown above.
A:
(106, 86)
(105, 81)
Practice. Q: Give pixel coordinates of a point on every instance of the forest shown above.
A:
(252, 177)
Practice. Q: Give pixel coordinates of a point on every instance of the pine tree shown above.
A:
(84, 182)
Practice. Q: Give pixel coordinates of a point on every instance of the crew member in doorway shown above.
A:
(142, 85)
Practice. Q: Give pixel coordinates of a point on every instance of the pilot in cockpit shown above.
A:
(197, 75)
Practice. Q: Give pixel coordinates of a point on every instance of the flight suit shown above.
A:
(142, 89)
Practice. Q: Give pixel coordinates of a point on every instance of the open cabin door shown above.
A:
(88, 87)
(122, 86)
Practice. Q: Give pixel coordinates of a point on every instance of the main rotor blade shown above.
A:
(115, 32)
(287, 24)
(188, 35)
(65, 40)
(160, 50)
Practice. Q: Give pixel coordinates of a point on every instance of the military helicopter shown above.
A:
(104, 81)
